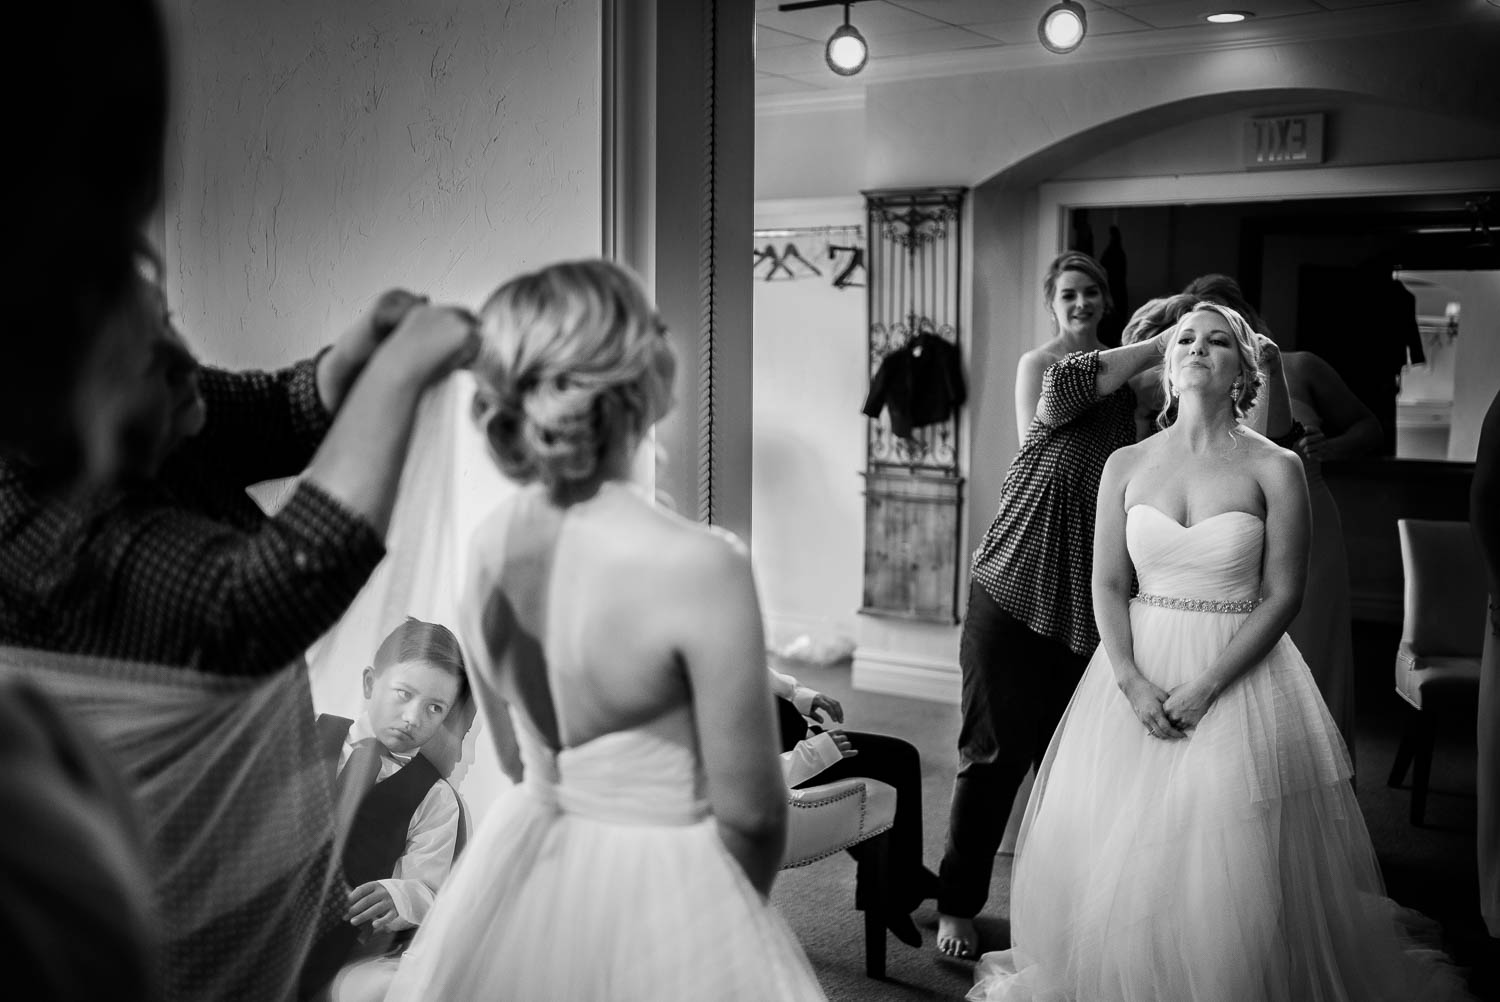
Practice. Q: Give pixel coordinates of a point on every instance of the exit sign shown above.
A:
(1284, 141)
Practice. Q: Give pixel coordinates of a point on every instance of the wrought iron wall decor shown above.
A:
(913, 491)
(914, 289)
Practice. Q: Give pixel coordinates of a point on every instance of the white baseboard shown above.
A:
(903, 675)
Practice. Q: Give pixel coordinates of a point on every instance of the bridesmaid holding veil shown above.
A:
(633, 858)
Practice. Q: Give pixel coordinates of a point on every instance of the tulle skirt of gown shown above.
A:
(603, 877)
(1233, 864)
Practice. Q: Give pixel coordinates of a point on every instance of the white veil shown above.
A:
(233, 792)
(447, 486)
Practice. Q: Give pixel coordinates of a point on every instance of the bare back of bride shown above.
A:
(633, 858)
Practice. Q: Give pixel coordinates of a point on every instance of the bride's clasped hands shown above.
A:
(1149, 701)
(1187, 703)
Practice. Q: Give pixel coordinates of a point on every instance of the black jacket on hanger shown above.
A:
(921, 383)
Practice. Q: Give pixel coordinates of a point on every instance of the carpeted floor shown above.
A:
(1431, 868)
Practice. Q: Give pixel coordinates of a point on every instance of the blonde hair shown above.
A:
(1223, 289)
(574, 365)
(1249, 349)
(1155, 316)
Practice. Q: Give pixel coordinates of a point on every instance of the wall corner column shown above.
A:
(679, 146)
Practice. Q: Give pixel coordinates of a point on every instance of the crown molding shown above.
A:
(799, 104)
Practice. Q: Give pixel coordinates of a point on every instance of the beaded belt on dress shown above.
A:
(1199, 604)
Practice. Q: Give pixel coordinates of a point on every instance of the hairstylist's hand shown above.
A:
(1270, 355)
(341, 365)
(1163, 339)
(429, 343)
(1313, 445)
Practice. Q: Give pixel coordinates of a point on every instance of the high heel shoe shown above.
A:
(903, 928)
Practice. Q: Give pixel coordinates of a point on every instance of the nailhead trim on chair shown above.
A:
(863, 794)
(1406, 663)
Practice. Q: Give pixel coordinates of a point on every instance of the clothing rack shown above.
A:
(842, 243)
(846, 229)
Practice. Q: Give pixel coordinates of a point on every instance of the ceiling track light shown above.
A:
(1063, 26)
(847, 51)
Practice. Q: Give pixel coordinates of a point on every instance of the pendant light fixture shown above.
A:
(1063, 26)
(847, 51)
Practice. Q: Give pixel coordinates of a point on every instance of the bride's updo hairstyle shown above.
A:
(1155, 316)
(1245, 339)
(573, 367)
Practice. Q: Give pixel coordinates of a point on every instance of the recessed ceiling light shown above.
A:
(1229, 16)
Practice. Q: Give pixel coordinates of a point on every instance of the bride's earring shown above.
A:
(1236, 387)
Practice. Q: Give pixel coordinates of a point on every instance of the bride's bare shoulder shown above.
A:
(1130, 457)
(659, 536)
(1263, 450)
(1277, 468)
(696, 544)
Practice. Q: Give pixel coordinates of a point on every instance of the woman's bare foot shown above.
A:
(956, 936)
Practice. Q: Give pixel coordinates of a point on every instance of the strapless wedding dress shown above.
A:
(1231, 865)
(602, 876)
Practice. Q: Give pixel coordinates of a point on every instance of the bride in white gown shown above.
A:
(1193, 834)
(633, 860)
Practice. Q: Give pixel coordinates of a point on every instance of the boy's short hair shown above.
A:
(430, 643)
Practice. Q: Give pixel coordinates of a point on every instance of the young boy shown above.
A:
(406, 825)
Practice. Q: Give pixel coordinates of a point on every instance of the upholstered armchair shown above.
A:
(1442, 637)
(825, 820)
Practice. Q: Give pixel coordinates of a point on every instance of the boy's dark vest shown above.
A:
(377, 840)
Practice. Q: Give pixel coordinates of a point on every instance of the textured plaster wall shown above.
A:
(323, 151)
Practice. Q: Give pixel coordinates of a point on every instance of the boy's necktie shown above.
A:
(360, 773)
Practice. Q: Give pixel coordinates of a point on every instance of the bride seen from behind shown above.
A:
(633, 858)
(1193, 833)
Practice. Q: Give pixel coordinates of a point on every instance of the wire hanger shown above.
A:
(768, 253)
(791, 253)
